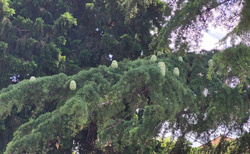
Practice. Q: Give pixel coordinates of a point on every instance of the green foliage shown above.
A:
(49, 61)
(3, 46)
(131, 45)
(34, 135)
(237, 146)
(109, 41)
(124, 107)
(90, 5)
(160, 146)
(5, 11)
(68, 36)
(181, 146)
(232, 62)
(240, 145)
(64, 22)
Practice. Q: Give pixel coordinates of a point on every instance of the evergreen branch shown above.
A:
(114, 125)
(23, 30)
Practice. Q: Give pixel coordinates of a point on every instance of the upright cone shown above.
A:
(153, 58)
(162, 67)
(72, 85)
(176, 71)
(210, 63)
(114, 64)
(32, 78)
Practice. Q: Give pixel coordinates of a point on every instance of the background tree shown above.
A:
(48, 37)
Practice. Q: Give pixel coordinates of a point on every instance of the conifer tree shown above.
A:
(48, 37)
(118, 108)
(121, 108)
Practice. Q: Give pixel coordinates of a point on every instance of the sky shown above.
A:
(211, 38)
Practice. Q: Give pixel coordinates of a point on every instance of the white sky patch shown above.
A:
(205, 92)
(208, 42)
(213, 34)
(110, 56)
(211, 38)
(217, 33)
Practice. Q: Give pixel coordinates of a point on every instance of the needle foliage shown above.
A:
(119, 108)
